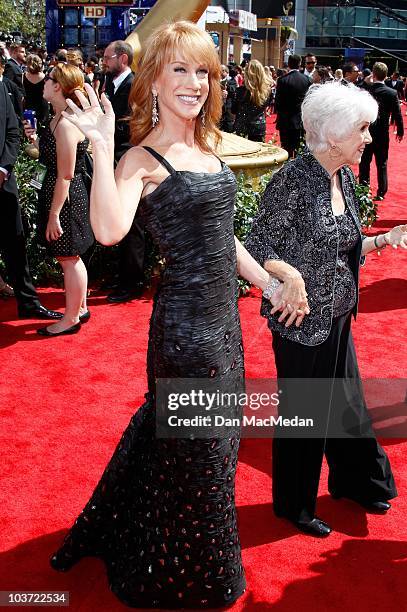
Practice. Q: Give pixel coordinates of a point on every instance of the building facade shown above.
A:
(90, 24)
(337, 29)
(330, 26)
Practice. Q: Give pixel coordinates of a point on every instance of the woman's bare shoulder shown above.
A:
(137, 154)
(137, 157)
(66, 130)
(137, 162)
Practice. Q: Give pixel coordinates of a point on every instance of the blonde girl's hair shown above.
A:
(34, 63)
(257, 82)
(71, 80)
(193, 44)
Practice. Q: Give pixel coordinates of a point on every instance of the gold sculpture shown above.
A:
(241, 155)
(164, 10)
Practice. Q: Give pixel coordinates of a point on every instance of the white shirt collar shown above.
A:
(119, 79)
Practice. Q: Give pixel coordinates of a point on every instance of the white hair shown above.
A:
(331, 112)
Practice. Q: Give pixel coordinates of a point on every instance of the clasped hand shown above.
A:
(291, 300)
(398, 236)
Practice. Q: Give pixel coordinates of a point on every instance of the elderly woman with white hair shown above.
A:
(307, 233)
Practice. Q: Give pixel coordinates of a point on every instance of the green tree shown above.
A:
(25, 16)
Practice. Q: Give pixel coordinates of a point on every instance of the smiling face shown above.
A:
(182, 88)
(352, 148)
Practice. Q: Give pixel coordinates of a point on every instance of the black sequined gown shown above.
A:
(163, 516)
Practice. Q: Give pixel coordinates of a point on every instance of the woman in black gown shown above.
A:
(163, 516)
(33, 82)
(251, 102)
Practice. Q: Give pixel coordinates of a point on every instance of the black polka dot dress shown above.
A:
(77, 234)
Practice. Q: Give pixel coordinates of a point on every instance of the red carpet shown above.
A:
(64, 403)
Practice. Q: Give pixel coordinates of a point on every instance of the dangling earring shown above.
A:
(334, 152)
(203, 115)
(154, 113)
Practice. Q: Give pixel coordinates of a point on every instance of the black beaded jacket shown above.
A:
(295, 224)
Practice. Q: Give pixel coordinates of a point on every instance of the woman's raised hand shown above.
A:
(96, 125)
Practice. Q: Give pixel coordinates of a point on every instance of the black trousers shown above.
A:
(13, 250)
(380, 150)
(358, 466)
(290, 140)
(131, 256)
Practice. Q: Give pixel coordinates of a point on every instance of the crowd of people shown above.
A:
(163, 515)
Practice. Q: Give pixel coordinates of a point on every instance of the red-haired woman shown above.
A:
(163, 516)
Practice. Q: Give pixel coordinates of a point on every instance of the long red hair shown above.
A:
(193, 44)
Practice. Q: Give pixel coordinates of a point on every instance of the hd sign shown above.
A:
(94, 12)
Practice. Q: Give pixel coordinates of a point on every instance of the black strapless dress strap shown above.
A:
(161, 159)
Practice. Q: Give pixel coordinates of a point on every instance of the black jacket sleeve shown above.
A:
(11, 146)
(397, 116)
(275, 218)
(277, 99)
(8, 72)
(15, 97)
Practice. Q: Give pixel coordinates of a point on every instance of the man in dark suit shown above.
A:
(389, 105)
(290, 92)
(14, 67)
(350, 73)
(228, 86)
(309, 66)
(13, 91)
(397, 84)
(117, 61)
(12, 240)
